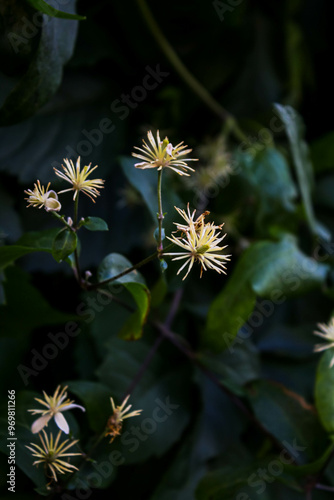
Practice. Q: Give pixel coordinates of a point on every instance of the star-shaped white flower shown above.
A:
(162, 154)
(43, 197)
(200, 243)
(55, 405)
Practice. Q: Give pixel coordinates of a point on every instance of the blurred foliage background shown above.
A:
(254, 103)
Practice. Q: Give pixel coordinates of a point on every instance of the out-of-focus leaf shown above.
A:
(269, 176)
(272, 270)
(210, 438)
(114, 264)
(311, 468)
(225, 482)
(10, 253)
(301, 159)
(322, 152)
(30, 149)
(96, 401)
(158, 292)
(10, 224)
(15, 329)
(44, 7)
(146, 183)
(234, 369)
(45, 70)
(64, 244)
(36, 241)
(95, 224)
(288, 417)
(324, 396)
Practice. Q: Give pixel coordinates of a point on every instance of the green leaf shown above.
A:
(96, 400)
(114, 264)
(44, 74)
(159, 291)
(44, 7)
(271, 270)
(288, 417)
(271, 182)
(324, 396)
(95, 224)
(64, 244)
(311, 468)
(301, 159)
(225, 482)
(37, 241)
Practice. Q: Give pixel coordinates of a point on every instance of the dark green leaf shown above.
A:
(274, 271)
(94, 224)
(44, 7)
(10, 253)
(225, 482)
(271, 182)
(96, 401)
(64, 244)
(304, 171)
(44, 74)
(288, 417)
(38, 241)
(114, 264)
(234, 369)
(324, 391)
(311, 468)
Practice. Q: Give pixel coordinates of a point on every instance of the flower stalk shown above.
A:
(160, 215)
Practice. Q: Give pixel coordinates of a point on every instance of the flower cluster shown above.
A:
(43, 197)
(54, 453)
(200, 242)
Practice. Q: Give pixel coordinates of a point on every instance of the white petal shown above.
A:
(72, 405)
(61, 422)
(40, 423)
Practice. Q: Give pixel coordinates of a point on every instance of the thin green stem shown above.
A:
(148, 259)
(123, 273)
(76, 255)
(76, 207)
(188, 78)
(61, 219)
(160, 214)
